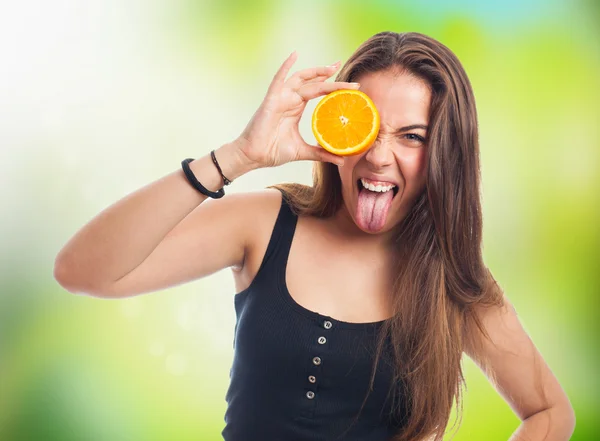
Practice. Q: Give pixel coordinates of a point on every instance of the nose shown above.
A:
(380, 153)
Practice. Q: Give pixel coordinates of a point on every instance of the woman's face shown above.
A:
(397, 156)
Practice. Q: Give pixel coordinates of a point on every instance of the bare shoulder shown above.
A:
(263, 208)
(255, 212)
(264, 200)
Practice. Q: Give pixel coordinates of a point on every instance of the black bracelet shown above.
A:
(225, 180)
(196, 184)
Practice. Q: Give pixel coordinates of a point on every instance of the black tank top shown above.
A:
(298, 375)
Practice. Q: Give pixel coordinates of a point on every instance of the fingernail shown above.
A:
(334, 64)
(355, 84)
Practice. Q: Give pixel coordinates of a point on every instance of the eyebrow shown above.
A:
(411, 127)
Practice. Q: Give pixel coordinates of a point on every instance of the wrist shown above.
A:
(232, 160)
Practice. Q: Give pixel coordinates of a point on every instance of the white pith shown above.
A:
(378, 188)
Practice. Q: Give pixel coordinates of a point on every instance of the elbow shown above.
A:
(62, 275)
(564, 415)
(571, 420)
(66, 278)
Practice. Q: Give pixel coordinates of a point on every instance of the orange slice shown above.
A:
(345, 122)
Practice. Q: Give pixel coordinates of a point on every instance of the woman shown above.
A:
(353, 312)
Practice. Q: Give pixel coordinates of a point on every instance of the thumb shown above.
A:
(318, 153)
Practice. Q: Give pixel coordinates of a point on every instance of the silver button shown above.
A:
(317, 360)
(327, 324)
(312, 378)
(322, 340)
(310, 394)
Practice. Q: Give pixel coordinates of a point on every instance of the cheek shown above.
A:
(346, 173)
(346, 178)
(414, 167)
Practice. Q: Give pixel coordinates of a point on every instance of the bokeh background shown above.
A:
(99, 98)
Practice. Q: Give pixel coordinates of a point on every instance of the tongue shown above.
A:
(372, 209)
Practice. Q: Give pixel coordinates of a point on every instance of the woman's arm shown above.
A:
(122, 236)
(554, 424)
(521, 376)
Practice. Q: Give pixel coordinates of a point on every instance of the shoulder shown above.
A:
(264, 203)
(247, 209)
(258, 211)
(251, 205)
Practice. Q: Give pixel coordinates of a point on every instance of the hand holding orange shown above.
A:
(345, 122)
(272, 137)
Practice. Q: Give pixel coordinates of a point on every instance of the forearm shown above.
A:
(118, 239)
(553, 424)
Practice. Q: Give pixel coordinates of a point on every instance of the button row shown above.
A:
(317, 360)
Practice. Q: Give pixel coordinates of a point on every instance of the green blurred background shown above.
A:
(99, 98)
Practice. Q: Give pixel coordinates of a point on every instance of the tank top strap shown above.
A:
(284, 229)
(276, 255)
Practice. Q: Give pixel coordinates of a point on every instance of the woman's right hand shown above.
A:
(272, 137)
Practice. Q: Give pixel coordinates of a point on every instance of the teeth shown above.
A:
(378, 188)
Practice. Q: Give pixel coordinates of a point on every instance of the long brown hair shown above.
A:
(440, 273)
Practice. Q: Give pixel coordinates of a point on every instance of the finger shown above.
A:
(298, 78)
(317, 79)
(318, 153)
(279, 77)
(313, 90)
